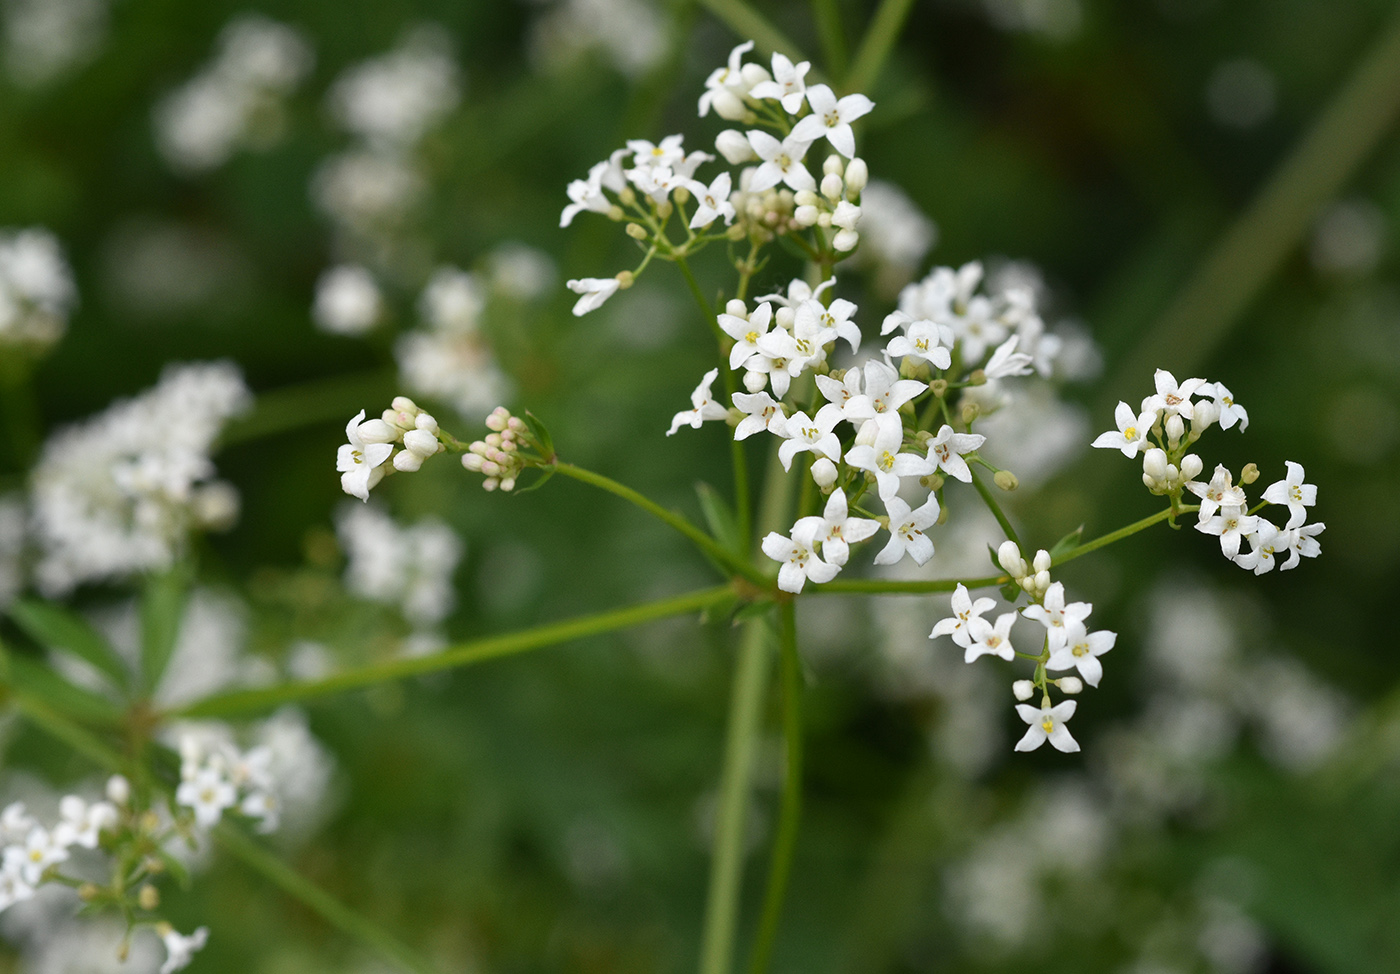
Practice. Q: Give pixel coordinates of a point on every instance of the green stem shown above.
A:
(995, 509)
(878, 586)
(702, 540)
(790, 814)
(878, 42)
(463, 654)
(833, 37)
(741, 745)
(1124, 532)
(331, 910)
(748, 23)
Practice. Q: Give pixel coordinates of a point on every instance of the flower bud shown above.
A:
(499, 419)
(1205, 415)
(406, 461)
(970, 412)
(933, 481)
(755, 381)
(404, 404)
(833, 165)
(421, 442)
(1023, 689)
(507, 484)
(637, 232)
(824, 472)
(88, 892)
(805, 197)
(806, 216)
(735, 148)
(831, 185)
(1154, 465)
(1042, 561)
(472, 462)
(939, 388)
(118, 790)
(1176, 428)
(376, 431)
(728, 105)
(616, 213)
(736, 233)
(736, 308)
(845, 241)
(625, 279)
(977, 378)
(754, 74)
(1191, 466)
(1010, 558)
(865, 436)
(857, 175)
(1006, 480)
(425, 421)
(1040, 584)
(1249, 474)
(1070, 684)
(682, 196)
(784, 317)
(148, 898)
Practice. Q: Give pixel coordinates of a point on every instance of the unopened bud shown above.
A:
(735, 147)
(150, 821)
(834, 165)
(472, 462)
(148, 898)
(1006, 480)
(628, 196)
(426, 422)
(1070, 684)
(616, 213)
(939, 388)
(376, 431)
(625, 279)
(977, 378)
(806, 216)
(824, 472)
(681, 195)
(1176, 428)
(1204, 415)
(736, 308)
(88, 892)
(755, 381)
(403, 404)
(1042, 561)
(664, 209)
(118, 790)
(1023, 689)
(406, 461)
(637, 232)
(857, 175)
(832, 186)
(933, 481)
(970, 412)
(1191, 466)
(421, 442)
(784, 317)
(1009, 556)
(736, 233)
(1154, 464)
(1249, 474)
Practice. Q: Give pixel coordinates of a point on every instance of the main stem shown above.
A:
(749, 690)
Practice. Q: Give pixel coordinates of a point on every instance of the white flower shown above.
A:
(79, 823)
(884, 392)
(347, 301)
(845, 219)
(594, 291)
(1131, 435)
(1302, 543)
(1047, 723)
(925, 340)
(946, 451)
(991, 640)
(1172, 398)
(15, 823)
(788, 85)
(207, 793)
(1057, 617)
(840, 392)
(782, 163)
(814, 434)
(669, 154)
(180, 950)
(1292, 491)
(799, 562)
(1082, 650)
(746, 331)
(725, 87)
(1006, 361)
(835, 530)
(587, 194)
(1230, 412)
(965, 611)
(713, 201)
(811, 316)
(1220, 492)
(884, 459)
(360, 463)
(1264, 543)
(762, 412)
(1231, 524)
(907, 531)
(703, 406)
(832, 118)
(13, 887)
(39, 850)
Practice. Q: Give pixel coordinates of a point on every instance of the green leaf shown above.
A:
(538, 482)
(43, 684)
(1011, 591)
(540, 434)
(720, 517)
(59, 629)
(1067, 544)
(162, 609)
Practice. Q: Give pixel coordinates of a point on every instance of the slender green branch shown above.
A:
(702, 540)
(1124, 532)
(878, 42)
(995, 509)
(748, 23)
(833, 36)
(880, 586)
(463, 654)
(331, 910)
(790, 813)
(706, 308)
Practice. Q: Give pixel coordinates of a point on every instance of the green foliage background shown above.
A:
(540, 813)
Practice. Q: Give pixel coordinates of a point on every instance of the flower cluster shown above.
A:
(370, 453)
(215, 776)
(35, 854)
(237, 99)
(773, 193)
(119, 493)
(1164, 429)
(37, 293)
(409, 567)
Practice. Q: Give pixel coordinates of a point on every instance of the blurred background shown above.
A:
(299, 188)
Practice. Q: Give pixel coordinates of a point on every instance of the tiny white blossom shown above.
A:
(884, 392)
(712, 201)
(799, 563)
(1082, 650)
(811, 315)
(1047, 723)
(884, 459)
(1006, 361)
(946, 451)
(835, 530)
(1220, 492)
(347, 301)
(814, 434)
(924, 340)
(965, 611)
(13, 886)
(1131, 435)
(1057, 617)
(1264, 543)
(180, 949)
(703, 406)
(907, 531)
(207, 793)
(594, 291)
(1230, 411)
(360, 463)
(1302, 543)
(40, 850)
(832, 118)
(746, 332)
(79, 823)
(725, 87)
(782, 163)
(1231, 525)
(788, 85)
(1292, 491)
(1172, 398)
(762, 412)
(990, 639)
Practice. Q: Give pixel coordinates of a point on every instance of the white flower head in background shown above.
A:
(37, 293)
(393, 100)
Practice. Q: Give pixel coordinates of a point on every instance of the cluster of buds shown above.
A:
(836, 205)
(1034, 579)
(370, 454)
(497, 456)
(1161, 476)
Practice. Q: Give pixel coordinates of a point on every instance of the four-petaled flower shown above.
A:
(763, 412)
(360, 463)
(799, 563)
(712, 201)
(1292, 491)
(1058, 618)
(1047, 723)
(788, 86)
(907, 531)
(945, 452)
(1131, 435)
(832, 119)
(924, 340)
(883, 457)
(1172, 398)
(782, 163)
(815, 434)
(703, 406)
(1082, 650)
(990, 639)
(965, 611)
(835, 530)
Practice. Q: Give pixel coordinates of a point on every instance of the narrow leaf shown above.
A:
(46, 686)
(538, 482)
(1067, 544)
(59, 629)
(720, 517)
(541, 435)
(162, 609)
